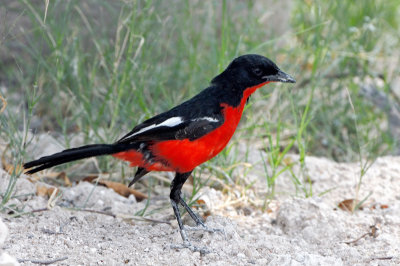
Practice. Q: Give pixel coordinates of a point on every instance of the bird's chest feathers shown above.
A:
(232, 116)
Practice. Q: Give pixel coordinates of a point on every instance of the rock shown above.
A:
(5, 259)
(3, 233)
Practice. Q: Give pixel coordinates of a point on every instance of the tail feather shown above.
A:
(75, 154)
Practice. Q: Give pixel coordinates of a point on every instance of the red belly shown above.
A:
(185, 155)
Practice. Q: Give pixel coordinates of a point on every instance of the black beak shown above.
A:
(280, 77)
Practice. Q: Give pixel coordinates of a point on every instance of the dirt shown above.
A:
(294, 230)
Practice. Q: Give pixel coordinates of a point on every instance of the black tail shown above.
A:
(75, 154)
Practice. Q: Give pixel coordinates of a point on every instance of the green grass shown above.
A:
(101, 67)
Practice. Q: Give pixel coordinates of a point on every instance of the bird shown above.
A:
(185, 136)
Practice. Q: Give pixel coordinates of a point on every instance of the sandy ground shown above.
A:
(294, 230)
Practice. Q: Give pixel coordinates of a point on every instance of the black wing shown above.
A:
(190, 120)
(186, 129)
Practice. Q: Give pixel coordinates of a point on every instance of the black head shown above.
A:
(250, 70)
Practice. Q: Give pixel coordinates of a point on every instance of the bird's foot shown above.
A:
(203, 227)
(193, 248)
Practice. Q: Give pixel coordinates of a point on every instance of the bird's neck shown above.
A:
(234, 113)
(249, 91)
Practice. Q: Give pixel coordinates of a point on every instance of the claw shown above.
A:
(207, 229)
(204, 228)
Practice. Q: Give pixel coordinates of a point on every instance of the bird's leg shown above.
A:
(178, 218)
(175, 197)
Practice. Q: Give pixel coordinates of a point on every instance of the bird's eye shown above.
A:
(257, 71)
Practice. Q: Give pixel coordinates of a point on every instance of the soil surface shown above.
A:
(291, 231)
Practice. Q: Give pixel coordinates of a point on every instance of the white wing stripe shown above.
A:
(209, 119)
(170, 122)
